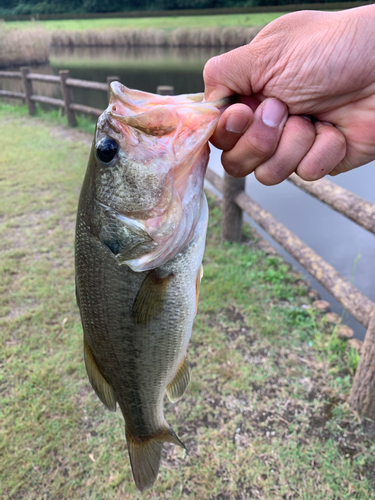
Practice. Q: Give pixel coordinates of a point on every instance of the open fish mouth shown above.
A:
(152, 189)
(160, 119)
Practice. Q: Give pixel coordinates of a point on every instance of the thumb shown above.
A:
(228, 74)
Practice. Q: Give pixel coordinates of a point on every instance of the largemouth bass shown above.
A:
(140, 236)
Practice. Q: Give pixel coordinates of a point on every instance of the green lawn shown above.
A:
(265, 415)
(168, 23)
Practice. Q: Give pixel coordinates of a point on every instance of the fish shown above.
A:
(140, 236)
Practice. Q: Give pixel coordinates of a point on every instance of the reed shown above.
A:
(32, 46)
(24, 46)
(213, 37)
(180, 37)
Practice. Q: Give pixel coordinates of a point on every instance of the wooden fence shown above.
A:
(66, 83)
(236, 201)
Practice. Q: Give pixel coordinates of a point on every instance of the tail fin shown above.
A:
(145, 456)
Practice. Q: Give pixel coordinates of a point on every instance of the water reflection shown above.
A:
(141, 68)
(137, 67)
(342, 243)
(196, 56)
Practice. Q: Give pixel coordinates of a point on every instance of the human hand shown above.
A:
(307, 97)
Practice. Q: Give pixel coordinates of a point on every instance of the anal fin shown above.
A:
(178, 386)
(100, 385)
(150, 299)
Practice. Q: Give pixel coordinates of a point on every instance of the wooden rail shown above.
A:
(10, 74)
(347, 294)
(66, 83)
(8, 93)
(349, 204)
(236, 201)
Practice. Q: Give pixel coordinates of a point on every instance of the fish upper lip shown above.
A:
(189, 99)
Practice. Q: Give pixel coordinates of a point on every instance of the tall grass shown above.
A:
(33, 46)
(213, 37)
(180, 37)
(24, 46)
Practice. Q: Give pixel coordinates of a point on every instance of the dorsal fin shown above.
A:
(103, 389)
(178, 386)
(150, 299)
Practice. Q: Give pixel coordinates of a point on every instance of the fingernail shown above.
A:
(273, 112)
(237, 122)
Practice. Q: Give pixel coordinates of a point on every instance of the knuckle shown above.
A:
(333, 146)
(234, 167)
(273, 172)
(210, 71)
(259, 146)
(328, 151)
(302, 131)
(338, 145)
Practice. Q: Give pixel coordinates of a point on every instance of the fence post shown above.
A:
(67, 93)
(28, 86)
(165, 90)
(362, 396)
(231, 222)
(111, 79)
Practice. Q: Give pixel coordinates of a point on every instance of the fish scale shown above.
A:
(140, 235)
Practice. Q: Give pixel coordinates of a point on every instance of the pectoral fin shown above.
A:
(150, 299)
(178, 386)
(100, 385)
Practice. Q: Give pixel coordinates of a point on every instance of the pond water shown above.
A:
(349, 248)
(341, 242)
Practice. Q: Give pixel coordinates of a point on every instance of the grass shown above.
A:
(53, 116)
(265, 415)
(168, 23)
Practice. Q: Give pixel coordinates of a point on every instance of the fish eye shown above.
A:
(107, 149)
